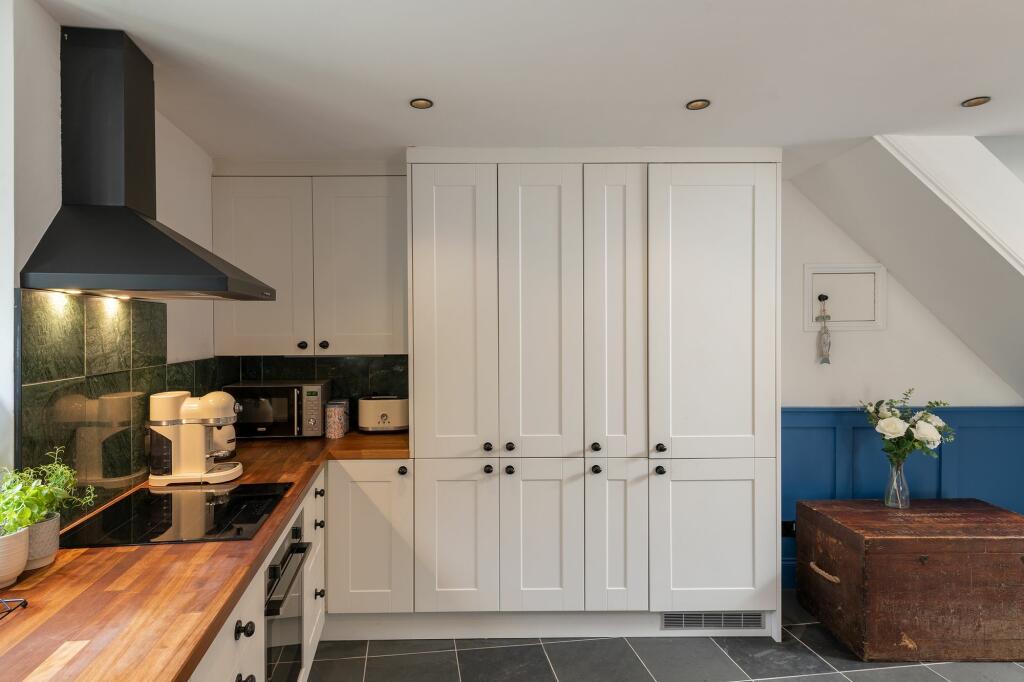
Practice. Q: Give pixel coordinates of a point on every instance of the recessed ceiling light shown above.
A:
(975, 101)
(698, 104)
(421, 103)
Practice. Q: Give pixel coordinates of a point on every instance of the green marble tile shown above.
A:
(277, 367)
(206, 376)
(227, 371)
(149, 334)
(103, 449)
(252, 367)
(181, 376)
(52, 336)
(349, 375)
(389, 375)
(50, 413)
(145, 382)
(108, 335)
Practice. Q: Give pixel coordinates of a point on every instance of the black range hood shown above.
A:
(105, 238)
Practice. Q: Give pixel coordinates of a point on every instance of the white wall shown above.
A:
(183, 203)
(915, 350)
(1009, 149)
(7, 270)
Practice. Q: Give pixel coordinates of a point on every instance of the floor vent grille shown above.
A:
(713, 620)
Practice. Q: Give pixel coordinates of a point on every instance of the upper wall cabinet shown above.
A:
(359, 271)
(615, 308)
(265, 227)
(540, 308)
(455, 309)
(334, 248)
(712, 292)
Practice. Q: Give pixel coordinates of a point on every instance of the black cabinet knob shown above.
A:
(247, 629)
(488, 468)
(247, 678)
(596, 469)
(659, 469)
(320, 523)
(325, 344)
(596, 447)
(488, 446)
(660, 447)
(510, 446)
(510, 469)
(319, 594)
(302, 345)
(403, 470)
(319, 492)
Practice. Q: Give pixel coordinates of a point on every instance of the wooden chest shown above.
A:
(941, 581)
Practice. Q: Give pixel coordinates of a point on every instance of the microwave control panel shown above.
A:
(313, 410)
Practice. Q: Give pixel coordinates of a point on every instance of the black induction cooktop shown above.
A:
(180, 513)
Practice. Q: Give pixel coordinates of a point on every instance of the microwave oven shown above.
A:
(280, 409)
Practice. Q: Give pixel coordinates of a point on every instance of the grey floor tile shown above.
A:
(596, 660)
(828, 647)
(552, 640)
(344, 670)
(330, 650)
(792, 612)
(979, 672)
(914, 673)
(764, 657)
(492, 642)
(825, 677)
(387, 647)
(434, 667)
(505, 664)
(685, 659)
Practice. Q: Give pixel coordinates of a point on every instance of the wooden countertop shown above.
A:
(150, 612)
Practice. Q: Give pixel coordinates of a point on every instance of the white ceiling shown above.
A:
(330, 79)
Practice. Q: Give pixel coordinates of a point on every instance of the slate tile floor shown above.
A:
(807, 653)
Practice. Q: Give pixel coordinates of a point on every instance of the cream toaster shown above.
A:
(383, 413)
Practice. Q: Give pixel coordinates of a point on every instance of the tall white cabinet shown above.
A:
(594, 399)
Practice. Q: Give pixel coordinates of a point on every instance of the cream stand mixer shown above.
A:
(190, 436)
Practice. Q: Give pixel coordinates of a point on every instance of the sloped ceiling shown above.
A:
(331, 78)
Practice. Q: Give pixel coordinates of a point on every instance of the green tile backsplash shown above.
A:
(108, 335)
(149, 334)
(52, 336)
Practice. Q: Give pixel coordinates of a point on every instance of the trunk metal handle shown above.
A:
(834, 579)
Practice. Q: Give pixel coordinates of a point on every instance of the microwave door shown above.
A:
(268, 412)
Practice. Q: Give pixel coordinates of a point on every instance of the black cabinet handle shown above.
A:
(325, 344)
(488, 468)
(248, 629)
(660, 447)
(488, 446)
(596, 447)
(248, 678)
(510, 469)
(302, 345)
(319, 492)
(659, 469)
(403, 470)
(596, 469)
(319, 594)
(510, 446)
(319, 523)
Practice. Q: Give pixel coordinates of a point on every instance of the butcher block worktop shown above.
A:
(150, 612)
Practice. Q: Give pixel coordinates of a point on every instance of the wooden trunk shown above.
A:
(940, 581)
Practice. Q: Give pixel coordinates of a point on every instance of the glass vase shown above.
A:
(897, 494)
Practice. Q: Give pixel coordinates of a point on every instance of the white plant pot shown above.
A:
(13, 556)
(43, 541)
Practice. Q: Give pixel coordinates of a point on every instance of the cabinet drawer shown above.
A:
(229, 656)
(314, 517)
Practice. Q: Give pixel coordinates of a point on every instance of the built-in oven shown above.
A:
(280, 409)
(283, 608)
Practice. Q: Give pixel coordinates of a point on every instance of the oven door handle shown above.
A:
(295, 412)
(277, 597)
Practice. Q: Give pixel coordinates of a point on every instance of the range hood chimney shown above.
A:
(105, 238)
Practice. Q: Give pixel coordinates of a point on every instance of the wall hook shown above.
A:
(824, 335)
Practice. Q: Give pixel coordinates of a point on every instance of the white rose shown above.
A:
(917, 417)
(891, 427)
(884, 412)
(870, 408)
(927, 434)
(934, 421)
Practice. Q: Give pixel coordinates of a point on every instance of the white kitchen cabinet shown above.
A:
(542, 534)
(455, 309)
(714, 529)
(456, 505)
(615, 308)
(712, 293)
(314, 516)
(370, 551)
(540, 308)
(265, 227)
(616, 534)
(314, 601)
(359, 270)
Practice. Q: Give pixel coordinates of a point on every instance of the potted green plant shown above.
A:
(13, 552)
(33, 497)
